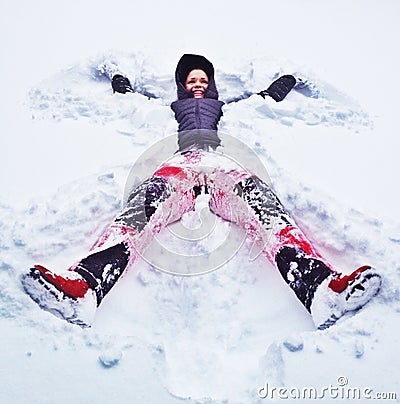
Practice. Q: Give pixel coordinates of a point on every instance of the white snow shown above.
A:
(68, 144)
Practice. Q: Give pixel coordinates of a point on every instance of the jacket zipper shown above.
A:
(197, 114)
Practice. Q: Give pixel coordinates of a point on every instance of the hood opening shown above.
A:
(186, 64)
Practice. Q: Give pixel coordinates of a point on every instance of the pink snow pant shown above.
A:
(235, 195)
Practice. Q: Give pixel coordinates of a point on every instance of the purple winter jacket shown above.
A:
(200, 116)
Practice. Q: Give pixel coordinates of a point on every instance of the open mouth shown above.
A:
(198, 93)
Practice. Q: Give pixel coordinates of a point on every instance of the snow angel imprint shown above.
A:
(234, 194)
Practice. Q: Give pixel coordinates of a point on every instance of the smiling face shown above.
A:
(197, 83)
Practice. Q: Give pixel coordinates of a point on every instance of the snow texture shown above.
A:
(68, 144)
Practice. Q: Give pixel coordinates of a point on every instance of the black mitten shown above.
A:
(121, 84)
(280, 88)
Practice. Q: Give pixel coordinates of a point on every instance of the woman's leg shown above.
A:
(73, 295)
(323, 291)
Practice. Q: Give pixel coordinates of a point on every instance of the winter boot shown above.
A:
(302, 272)
(338, 295)
(75, 294)
(67, 296)
(326, 294)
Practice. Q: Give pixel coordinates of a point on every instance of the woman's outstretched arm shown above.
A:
(280, 88)
(120, 83)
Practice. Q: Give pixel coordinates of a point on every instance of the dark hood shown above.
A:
(185, 65)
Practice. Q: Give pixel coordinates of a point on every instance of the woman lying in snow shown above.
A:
(235, 195)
